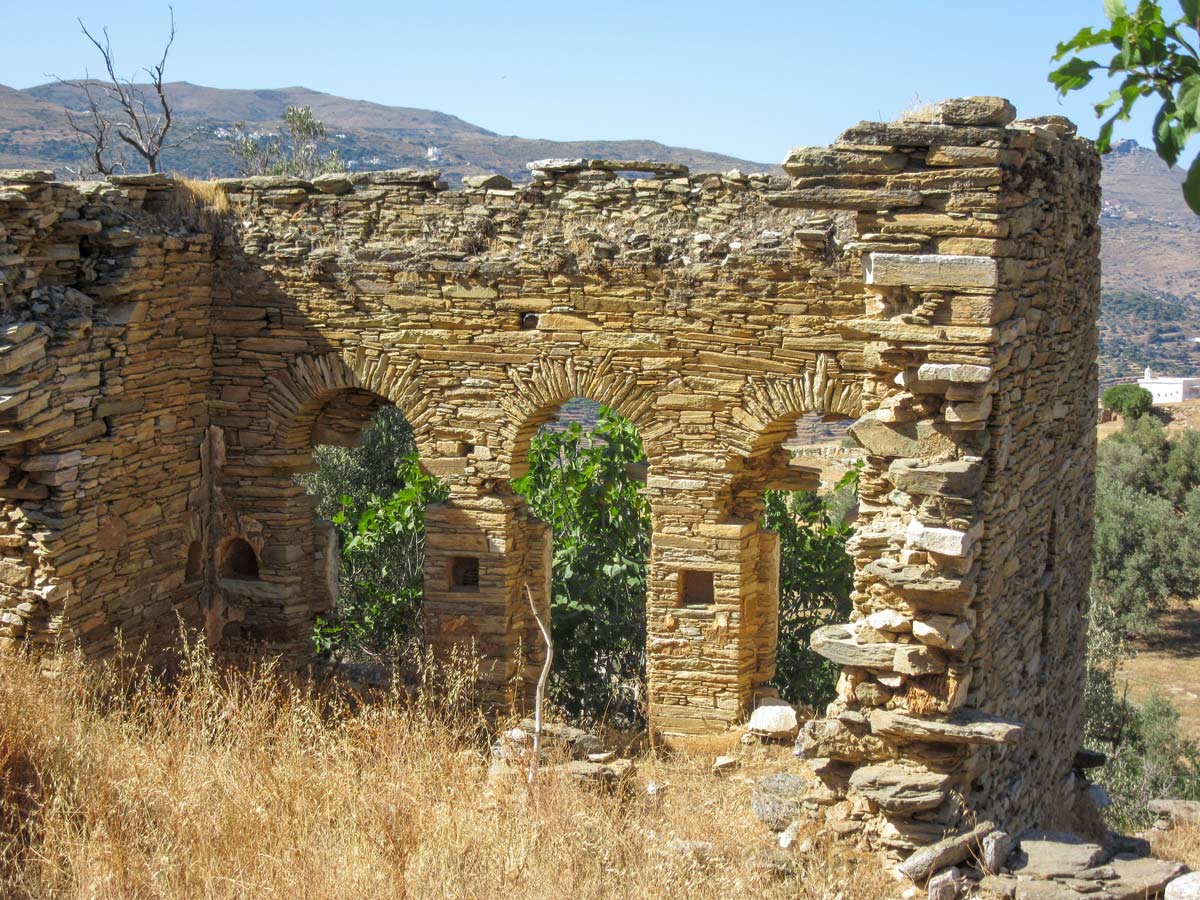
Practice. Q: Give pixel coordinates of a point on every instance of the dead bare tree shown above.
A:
(116, 108)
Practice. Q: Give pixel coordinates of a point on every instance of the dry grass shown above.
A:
(1181, 843)
(228, 785)
(1168, 663)
(199, 206)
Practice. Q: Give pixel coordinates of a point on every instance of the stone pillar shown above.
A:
(760, 602)
(938, 718)
(712, 605)
(481, 553)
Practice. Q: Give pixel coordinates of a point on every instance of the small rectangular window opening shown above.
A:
(529, 321)
(464, 574)
(696, 587)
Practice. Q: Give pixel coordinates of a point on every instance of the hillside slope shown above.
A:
(1151, 240)
(1151, 261)
(1151, 237)
(368, 135)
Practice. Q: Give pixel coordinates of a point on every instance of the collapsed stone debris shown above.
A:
(167, 371)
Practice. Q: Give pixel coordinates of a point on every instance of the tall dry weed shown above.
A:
(1181, 843)
(199, 206)
(224, 784)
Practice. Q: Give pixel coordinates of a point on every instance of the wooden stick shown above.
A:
(541, 686)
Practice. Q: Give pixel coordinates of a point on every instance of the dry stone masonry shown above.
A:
(167, 370)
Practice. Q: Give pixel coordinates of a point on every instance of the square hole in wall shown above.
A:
(529, 321)
(695, 587)
(464, 573)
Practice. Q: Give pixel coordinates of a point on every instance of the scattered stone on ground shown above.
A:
(778, 799)
(946, 884)
(949, 851)
(774, 719)
(1054, 854)
(1175, 812)
(1048, 865)
(602, 773)
(578, 742)
(1185, 887)
(789, 836)
(723, 765)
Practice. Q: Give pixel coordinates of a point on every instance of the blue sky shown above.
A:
(749, 79)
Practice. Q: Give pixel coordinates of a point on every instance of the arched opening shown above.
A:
(237, 559)
(584, 475)
(368, 497)
(194, 567)
(801, 483)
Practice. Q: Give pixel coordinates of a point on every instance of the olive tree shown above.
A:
(300, 150)
(1128, 400)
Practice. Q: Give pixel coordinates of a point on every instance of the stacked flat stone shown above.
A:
(169, 373)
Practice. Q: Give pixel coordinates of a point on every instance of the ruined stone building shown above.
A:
(167, 373)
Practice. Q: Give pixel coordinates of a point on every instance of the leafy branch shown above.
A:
(299, 152)
(1154, 58)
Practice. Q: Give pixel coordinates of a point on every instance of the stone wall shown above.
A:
(106, 370)
(936, 279)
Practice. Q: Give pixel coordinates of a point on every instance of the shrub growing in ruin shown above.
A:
(300, 151)
(816, 576)
(375, 495)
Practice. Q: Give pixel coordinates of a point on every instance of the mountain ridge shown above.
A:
(369, 135)
(1150, 239)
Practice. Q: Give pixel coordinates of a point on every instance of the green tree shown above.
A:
(1128, 400)
(816, 576)
(1141, 557)
(375, 494)
(1148, 759)
(381, 581)
(300, 151)
(1147, 549)
(1155, 57)
(583, 487)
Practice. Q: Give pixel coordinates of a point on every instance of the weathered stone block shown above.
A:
(930, 271)
(901, 789)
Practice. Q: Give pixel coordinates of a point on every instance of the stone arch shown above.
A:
(768, 416)
(760, 461)
(773, 405)
(298, 397)
(551, 383)
(237, 558)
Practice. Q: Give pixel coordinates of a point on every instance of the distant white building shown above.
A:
(1170, 390)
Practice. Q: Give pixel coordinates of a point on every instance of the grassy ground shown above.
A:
(1169, 662)
(236, 787)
